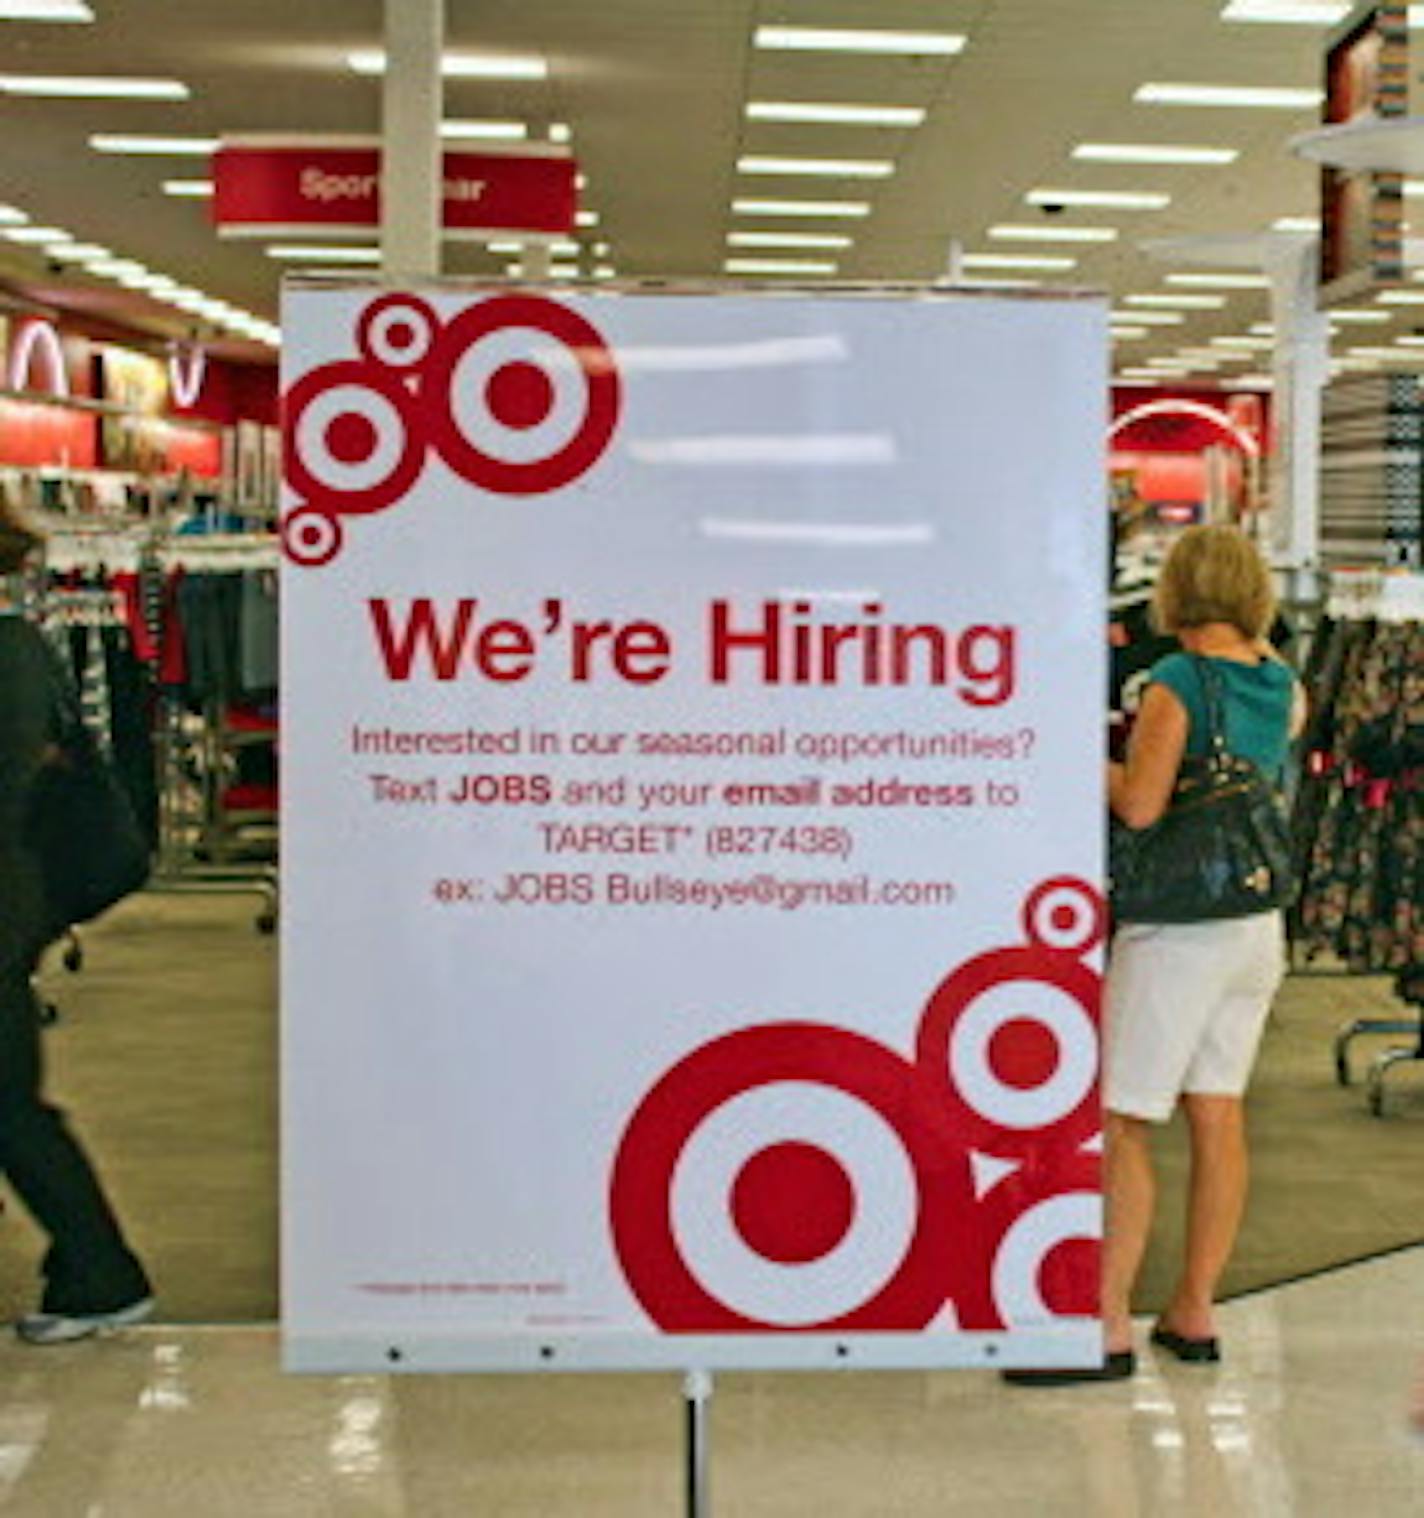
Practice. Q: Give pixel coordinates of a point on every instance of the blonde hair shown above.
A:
(1214, 574)
(18, 538)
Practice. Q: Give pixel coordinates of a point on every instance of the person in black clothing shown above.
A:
(93, 1281)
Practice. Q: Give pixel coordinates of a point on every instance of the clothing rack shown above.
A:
(207, 841)
(1359, 815)
(190, 741)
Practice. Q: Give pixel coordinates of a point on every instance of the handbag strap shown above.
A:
(1215, 716)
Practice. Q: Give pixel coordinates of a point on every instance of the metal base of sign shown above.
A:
(697, 1394)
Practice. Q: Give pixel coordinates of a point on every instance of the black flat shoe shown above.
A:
(1193, 1351)
(1118, 1366)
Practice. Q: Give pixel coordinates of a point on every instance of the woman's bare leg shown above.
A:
(1129, 1191)
(1216, 1200)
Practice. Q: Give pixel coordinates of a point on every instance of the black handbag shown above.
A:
(81, 827)
(1222, 848)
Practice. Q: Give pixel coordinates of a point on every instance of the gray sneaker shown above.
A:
(65, 1328)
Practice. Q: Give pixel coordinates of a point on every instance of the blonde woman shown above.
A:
(1186, 1002)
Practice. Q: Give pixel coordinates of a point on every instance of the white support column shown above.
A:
(412, 103)
(1301, 369)
(537, 257)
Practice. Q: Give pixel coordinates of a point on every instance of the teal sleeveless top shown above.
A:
(1255, 701)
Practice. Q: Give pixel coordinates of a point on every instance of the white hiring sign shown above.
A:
(692, 829)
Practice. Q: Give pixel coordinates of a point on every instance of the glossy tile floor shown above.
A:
(1304, 1417)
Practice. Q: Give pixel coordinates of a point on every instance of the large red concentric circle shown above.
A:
(642, 1180)
(594, 362)
(325, 464)
(1011, 1055)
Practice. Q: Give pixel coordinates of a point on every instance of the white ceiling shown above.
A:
(655, 92)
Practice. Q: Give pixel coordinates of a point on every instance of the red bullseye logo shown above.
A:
(518, 395)
(802, 1177)
(525, 397)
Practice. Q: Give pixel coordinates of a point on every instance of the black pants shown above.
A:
(89, 1268)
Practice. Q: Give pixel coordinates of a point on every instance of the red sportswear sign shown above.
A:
(334, 186)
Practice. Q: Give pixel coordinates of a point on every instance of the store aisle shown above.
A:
(1304, 1419)
(167, 1056)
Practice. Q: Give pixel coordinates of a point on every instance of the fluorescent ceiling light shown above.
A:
(801, 207)
(1262, 329)
(1149, 318)
(475, 130)
(1167, 363)
(1246, 344)
(777, 266)
(586, 219)
(96, 87)
(846, 115)
(1359, 318)
(77, 252)
(1013, 233)
(1152, 152)
(1269, 97)
(45, 10)
(320, 254)
(1128, 334)
(1017, 261)
(195, 188)
(1296, 224)
(982, 282)
(461, 65)
(1409, 342)
(1117, 200)
(836, 168)
(38, 235)
(12, 216)
(605, 271)
(1401, 297)
(114, 268)
(1178, 302)
(832, 40)
(1288, 12)
(1221, 281)
(113, 142)
(798, 240)
(564, 271)
(561, 132)
(1413, 189)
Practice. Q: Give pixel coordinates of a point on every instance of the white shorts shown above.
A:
(1185, 1005)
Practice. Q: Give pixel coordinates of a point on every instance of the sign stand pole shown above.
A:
(697, 1394)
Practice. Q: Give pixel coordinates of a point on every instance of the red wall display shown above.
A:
(34, 435)
(1164, 451)
(40, 357)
